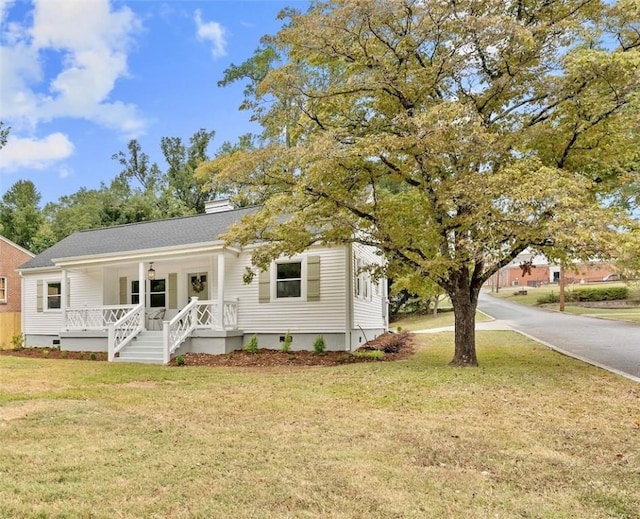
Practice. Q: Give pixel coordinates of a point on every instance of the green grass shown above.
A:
(424, 322)
(528, 434)
(533, 293)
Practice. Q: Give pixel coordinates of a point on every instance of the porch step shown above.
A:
(146, 348)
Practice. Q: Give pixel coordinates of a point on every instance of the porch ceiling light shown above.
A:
(151, 273)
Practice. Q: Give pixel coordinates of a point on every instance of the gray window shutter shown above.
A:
(68, 287)
(313, 278)
(264, 286)
(123, 290)
(173, 291)
(39, 291)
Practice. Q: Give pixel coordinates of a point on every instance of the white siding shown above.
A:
(39, 323)
(369, 312)
(85, 289)
(298, 316)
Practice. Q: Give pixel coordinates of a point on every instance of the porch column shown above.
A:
(64, 295)
(142, 284)
(220, 307)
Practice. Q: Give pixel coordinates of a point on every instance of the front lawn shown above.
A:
(530, 433)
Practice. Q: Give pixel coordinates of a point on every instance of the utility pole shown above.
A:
(562, 284)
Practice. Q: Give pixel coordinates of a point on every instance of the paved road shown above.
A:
(613, 345)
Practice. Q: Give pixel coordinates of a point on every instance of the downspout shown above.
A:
(348, 296)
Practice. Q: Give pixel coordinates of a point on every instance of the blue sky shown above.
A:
(80, 78)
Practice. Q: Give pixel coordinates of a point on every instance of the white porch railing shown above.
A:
(208, 315)
(174, 332)
(98, 318)
(125, 329)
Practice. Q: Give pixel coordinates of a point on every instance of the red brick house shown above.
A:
(11, 257)
(543, 273)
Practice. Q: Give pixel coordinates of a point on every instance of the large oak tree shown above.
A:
(450, 134)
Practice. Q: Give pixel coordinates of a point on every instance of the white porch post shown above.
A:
(63, 298)
(220, 307)
(142, 284)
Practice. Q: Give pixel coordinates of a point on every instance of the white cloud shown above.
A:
(91, 41)
(213, 32)
(35, 153)
(4, 7)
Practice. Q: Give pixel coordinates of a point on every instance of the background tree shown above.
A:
(4, 134)
(182, 183)
(452, 135)
(20, 215)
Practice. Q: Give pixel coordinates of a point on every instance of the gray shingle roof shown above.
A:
(188, 230)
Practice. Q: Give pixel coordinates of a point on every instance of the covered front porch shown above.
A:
(162, 301)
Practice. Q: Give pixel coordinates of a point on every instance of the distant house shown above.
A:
(149, 291)
(543, 272)
(11, 257)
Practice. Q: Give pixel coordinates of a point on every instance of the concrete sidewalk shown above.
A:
(488, 325)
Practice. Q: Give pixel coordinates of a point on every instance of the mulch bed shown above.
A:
(53, 353)
(396, 346)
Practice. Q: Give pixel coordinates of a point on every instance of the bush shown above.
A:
(180, 360)
(587, 295)
(319, 346)
(17, 341)
(92, 356)
(548, 298)
(369, 354)
(286, 345)
(252, 345)
(600, 294)
(45, 353)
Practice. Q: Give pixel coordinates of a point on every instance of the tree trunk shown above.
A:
(465, 301)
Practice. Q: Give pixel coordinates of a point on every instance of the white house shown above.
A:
(149, 291)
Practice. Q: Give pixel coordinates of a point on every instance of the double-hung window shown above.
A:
(54, 296)
(157, 293)
(289, 279)
(3, 289)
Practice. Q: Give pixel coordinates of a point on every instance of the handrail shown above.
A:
(208, 317)
(94, 318)
(175, 331)
(124, 330)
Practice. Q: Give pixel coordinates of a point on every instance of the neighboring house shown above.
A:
(152, 290)
(543, 272)
(11, 257)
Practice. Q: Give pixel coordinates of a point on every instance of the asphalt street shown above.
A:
(613, 345)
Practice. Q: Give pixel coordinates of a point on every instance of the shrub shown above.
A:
(180, 360)
(369, 354)
(252, 345)
(399, 329)
(17, 341)
(600, 294)
(45, 353)
(318, 346)
(64, 354)
(92, 356)
(286, 345)
(548, 298)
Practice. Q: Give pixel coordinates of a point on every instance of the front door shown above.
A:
(198, 285)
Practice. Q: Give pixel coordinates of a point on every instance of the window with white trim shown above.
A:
(54, 295)
(157, 293)
(135, 292)
(3, 289)
(362, 280)
(289, 279)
